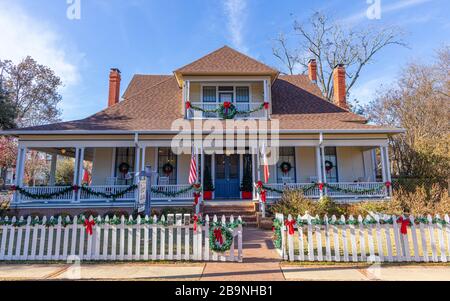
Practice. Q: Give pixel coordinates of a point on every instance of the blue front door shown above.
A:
(227, 177)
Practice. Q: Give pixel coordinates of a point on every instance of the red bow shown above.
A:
(196, 196)
(195, 222)
(321, 186)
(88, 224)
(405, 223)
(188, 105)
(266, 105)
(263, 196)
(75, 188)
(218, 236)
(290, 225)
(388, 184)
(260, 184)
(227, 104)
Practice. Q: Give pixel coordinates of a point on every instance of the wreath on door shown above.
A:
(167, 169)
(328, 165)
(285, 167)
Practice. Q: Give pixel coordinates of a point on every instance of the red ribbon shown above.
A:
(75, 188)
(196, 196)
(388, 184)
(405, 223)
(320, 186)
(266, 105)
(188, 105)
(290, 225)
(195, 222)
(226, 105)
(218, 235)
(88, 224)
(262, 192)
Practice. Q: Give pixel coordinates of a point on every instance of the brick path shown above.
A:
(260, 261)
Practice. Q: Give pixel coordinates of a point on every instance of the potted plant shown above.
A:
(247, 184)
(208, 185)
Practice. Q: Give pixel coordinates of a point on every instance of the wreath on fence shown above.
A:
(220, 239)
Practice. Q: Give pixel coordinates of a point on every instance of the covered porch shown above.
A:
(106, 173)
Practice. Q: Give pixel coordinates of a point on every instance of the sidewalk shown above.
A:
(261, 262)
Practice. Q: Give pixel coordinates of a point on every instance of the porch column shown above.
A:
(266, 96)
(388, 168)
(213, 171)
(75, 172)
(318, 168)
(53, 169)
(137, 155)
(254, 172)
(80, 170)
(155, 168)
(324, 173)
(202, 173)
(143, 158)
(20, 167)
(383, 164)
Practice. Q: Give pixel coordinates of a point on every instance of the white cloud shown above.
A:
(23, 35)
(235, 11)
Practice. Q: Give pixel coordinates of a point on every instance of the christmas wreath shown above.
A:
(328, 165)
(285, 167)
(167, 169)
(227, 110)
(124, 167)
(220, 239)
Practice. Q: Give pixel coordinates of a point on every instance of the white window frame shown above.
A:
(234, 85)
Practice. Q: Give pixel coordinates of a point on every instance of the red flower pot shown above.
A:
(207, 195)
(246, 195)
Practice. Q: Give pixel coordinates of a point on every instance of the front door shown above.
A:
(227, 176)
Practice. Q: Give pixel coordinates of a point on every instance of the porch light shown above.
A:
(63, 151)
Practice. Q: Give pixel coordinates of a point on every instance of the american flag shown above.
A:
(193, 170)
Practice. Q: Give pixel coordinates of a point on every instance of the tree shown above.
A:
(330, 43)
(8, 112)
(419, 102)
(64, 171)
(8, 155)
(36, 168)
(33, 89)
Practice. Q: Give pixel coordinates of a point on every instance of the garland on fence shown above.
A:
(276, 228)
(85, 188)
(227, 110)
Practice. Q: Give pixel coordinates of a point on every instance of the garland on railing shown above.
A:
(355, 191)
(304, 189)
(227, 110)
(170, 193)
(322, 185)
(85, 188)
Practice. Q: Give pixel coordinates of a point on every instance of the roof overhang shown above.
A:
(180, 75)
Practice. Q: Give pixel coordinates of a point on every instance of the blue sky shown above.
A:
(156, 37)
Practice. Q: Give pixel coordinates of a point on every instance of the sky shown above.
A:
(157, 37)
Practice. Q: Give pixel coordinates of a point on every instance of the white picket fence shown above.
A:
(352, 240)
(115, 239)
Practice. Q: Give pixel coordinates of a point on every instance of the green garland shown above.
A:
(194, 187)
(354, 191)
(227, 236)
(277, 240)
(231, 112)
(85, 188)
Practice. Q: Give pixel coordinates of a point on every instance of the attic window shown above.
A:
(209, 94)
(242, 94)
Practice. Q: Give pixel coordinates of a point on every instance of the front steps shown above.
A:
(245, 209)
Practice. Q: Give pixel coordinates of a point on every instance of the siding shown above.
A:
(101, 166)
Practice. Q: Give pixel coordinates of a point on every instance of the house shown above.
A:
(322, 147)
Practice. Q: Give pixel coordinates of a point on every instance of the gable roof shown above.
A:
(226, 61)
(153, 102)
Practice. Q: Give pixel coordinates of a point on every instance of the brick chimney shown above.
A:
(114, 86)
(339, 89)
(312, 70)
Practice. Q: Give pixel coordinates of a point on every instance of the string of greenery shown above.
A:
(231, 111)
(330, 186)
(175, 193)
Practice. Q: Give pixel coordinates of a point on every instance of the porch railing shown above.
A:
(171, 192)
(311, 192)
(240, 107)
(356, 189)
(108, 189)
(45, 190)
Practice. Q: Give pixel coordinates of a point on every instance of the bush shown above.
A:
(293, 202)
(88, 213)
(326, 206)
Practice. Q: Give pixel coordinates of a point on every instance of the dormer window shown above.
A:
(220, 94)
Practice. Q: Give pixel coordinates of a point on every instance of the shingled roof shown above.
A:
(153, 102)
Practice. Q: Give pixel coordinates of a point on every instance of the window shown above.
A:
(167, 160)
(331, 170)
(242, 94)
(287, 159)
(125, 157)
(209, 94)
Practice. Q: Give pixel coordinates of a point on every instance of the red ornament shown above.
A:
(266, 105)
(188, 105)
(290, 225)
(404, 224)
(321, 186)
(88, 224)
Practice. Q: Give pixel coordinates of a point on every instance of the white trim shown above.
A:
(217, 85)
(113, 162)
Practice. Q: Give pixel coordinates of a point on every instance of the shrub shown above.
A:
(327, 206)
(293, 202)
(88, 213)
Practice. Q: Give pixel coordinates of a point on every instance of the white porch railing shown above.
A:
(357, 189)
(163, 190)
(240, 107)
(311, 192)
(108, 189)
(45, 190)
